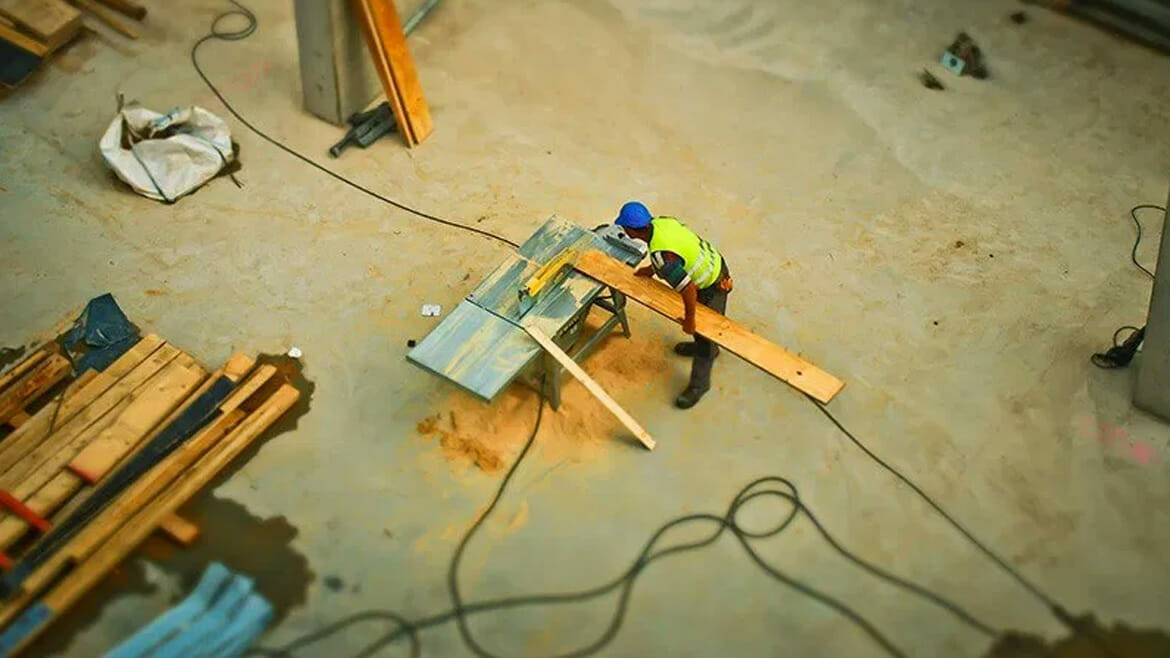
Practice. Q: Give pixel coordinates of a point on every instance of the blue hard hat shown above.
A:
(633, 215)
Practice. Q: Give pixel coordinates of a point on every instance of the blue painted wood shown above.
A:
(28, 622)
(174, 621)
(205, 628)
(243, 629)
(481, 345)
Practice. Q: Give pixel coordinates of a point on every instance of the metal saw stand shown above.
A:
(546, 373)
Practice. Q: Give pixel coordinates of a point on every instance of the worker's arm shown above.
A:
(690, 296)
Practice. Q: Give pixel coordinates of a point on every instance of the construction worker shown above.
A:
(696, 270)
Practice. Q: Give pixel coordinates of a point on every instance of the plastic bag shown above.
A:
(164, 156)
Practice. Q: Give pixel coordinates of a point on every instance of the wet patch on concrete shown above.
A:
(1092, 641)
(127, 579)
(258, 548)
(290, 371)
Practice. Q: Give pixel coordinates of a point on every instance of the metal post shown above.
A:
(1152, 390)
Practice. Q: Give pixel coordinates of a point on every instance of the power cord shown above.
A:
(784, 490)
(216, 33)
(1121, 354)
(774, 487)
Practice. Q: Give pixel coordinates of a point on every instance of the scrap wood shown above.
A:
(26, 364)
(144, 409)
(179, 530)
(59, 447)
(765, 355)
(382, 29)
(52, 22)
(35, 383)
(593, 387)
(33, 620)
(106, 16)
(127, 7)
(84, 390)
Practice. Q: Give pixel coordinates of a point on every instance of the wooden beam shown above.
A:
(127, 7)
(179, 530)
(17, 371)
(382, 29)
(591, 386)
(38, 616)
(32, 385)
(84, 390)
(767, 356)
(106, 16)
(52, 22)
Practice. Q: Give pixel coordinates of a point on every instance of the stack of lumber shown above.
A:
(107, 461)
(32, 30)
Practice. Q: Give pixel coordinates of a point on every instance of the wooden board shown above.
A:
(52, 22)
(32, 385)
(84, 390)
(592, 386)
(179, 530)
(107, 17)
(767, 356)
(387, 42)
(127, 7)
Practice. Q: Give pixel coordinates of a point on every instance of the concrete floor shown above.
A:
(954, 257)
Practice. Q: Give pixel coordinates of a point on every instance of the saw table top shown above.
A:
(481, 345)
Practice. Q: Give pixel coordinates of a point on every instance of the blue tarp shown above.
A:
(106, 332)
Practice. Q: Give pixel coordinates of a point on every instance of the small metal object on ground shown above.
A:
(963, 57)
(431, 310)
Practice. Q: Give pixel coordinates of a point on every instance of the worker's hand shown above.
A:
(688, 325)
(645, 270)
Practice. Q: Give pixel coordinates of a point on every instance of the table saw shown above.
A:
(482, 346)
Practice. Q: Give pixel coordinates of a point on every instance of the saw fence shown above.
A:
(95, 463)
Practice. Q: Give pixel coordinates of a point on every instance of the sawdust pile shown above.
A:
(490, 435)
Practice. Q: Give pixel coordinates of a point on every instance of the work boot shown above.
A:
(689, 397)
(690, 348)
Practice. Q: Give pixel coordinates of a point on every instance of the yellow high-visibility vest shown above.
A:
(702, 261)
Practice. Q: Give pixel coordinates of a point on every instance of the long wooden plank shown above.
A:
(17, 371)
(146, 408)
(79, 395)
(63, 444)
(105, 16)
(37, 617)
(767, 356)
(32, 385)
(383, 31)
(50, 21)
(591, 386)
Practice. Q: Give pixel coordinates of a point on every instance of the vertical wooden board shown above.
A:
(387, 43)
(63, 444)
(87, 388)
(767, 356)
(51, 21)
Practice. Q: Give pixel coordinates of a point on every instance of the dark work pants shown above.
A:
(705, 350)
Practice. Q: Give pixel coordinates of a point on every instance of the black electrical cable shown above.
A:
(236, 35)
(1121, 354)
(1138, 240)
(650, 553)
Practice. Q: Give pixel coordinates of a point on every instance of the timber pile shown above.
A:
(32, 30)
(106, 461)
